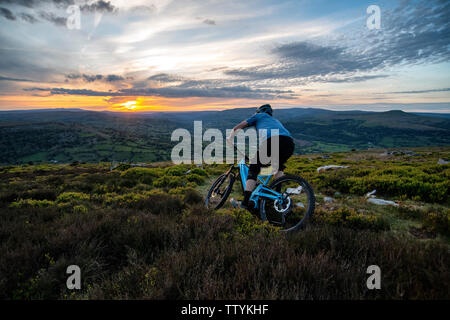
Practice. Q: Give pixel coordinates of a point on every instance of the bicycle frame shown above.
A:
(261, 190)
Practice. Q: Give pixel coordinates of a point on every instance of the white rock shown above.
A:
(382, 202)
(297, 190)
(328, 199)
(371, 194)
(299, 204)
(331, 166)
(443, 161)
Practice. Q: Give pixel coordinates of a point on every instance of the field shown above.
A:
(61, 136)
(144, 233)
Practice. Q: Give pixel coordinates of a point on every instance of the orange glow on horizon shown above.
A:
(157, 103)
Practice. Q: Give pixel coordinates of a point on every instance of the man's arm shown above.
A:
(236, 129)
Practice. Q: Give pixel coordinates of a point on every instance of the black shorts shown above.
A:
(286, 149)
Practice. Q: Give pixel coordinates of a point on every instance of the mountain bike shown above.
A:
(287, 202)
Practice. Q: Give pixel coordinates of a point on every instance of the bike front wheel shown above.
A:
(219, 191)
(294, 208)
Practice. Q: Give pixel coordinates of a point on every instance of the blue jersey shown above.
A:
(264, 121)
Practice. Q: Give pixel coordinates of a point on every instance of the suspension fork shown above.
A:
(227, 173)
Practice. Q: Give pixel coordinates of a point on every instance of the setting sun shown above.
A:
(129, 105)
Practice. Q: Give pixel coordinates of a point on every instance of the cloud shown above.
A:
(85, 6)
(14, 79)
(113, 77)
(7, 14)
(411, 34)
(99, 6)
(209, 22)
(88, 6)
(25, 3)
(96, 77)
(178, 92)
(164, 77)
(335, 79)
(420, 91)
(51, 17)
(28, 18)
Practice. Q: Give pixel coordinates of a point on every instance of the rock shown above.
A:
(325, 157)
(299, 205)
(328, 199)
(337, 194)
(140, 165)
(371, 194)
(331, 166)
(382, 202)
(187, 172)
(297, 190)
(400, 152)
(443, 161)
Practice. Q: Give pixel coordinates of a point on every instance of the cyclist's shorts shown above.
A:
(286, 149)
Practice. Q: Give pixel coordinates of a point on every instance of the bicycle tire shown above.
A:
(221, 179)
(311, 200)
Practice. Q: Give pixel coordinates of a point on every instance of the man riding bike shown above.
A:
(263, 120)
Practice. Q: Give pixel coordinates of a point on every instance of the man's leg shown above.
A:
(278, 174)
(249, 187)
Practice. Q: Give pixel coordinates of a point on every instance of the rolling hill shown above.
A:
(67, 135)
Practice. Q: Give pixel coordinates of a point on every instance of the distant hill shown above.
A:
(436, 115)
(66, 135)
(79, 135)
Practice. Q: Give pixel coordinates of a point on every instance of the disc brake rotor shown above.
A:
(282, 205)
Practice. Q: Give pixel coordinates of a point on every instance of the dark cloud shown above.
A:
(96, 77)
(51, 17)
(7, 14)
(305, 51)
(113, 77)
(209, 22)
(99, 6)
(178, 92)
(420, 91)
(412, 33)
(349, 78)
(164, 77)
(85, 77)
(28, 18)
(86, 6)
(14, 79)
(25, 3)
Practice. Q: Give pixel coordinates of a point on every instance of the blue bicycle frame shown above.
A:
(261, 190)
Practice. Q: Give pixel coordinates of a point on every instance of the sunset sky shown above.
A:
(211, 55)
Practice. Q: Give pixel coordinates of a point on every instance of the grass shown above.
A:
(144, 233)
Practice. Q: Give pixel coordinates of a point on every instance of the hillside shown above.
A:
(85, 136)
(144, 233)
(65, 136)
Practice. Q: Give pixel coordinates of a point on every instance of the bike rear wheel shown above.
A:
(219, 191)
(296, 207)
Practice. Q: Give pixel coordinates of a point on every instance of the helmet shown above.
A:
(265, 109)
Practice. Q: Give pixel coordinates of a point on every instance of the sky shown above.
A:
(166, 55)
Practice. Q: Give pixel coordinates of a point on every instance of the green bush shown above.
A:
(31, 203)
(144, 175)
(170, 182)
(348, 217)
(437, 220)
